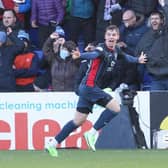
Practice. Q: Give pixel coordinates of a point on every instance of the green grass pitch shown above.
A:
(74, 158)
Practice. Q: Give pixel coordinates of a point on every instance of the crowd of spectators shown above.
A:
(38, 36)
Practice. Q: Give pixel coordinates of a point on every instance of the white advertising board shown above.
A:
(28, 119)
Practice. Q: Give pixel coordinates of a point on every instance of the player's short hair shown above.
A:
(113, 27)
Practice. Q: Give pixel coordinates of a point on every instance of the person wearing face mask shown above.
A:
(131, 31)
(57, 52)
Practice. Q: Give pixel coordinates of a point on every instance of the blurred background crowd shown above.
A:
(38, 36)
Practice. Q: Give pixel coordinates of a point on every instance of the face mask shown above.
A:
(64, 53)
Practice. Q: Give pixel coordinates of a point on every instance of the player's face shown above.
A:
(111, 38)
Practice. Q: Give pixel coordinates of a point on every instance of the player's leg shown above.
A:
(92, 135)
(83, 109)
(105, 117)
(66, 130)
(112, 109)
(71, 126)
(113, 106)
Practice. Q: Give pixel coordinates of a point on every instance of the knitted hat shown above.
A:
(60, 31)
(23, 35)
(3, 37)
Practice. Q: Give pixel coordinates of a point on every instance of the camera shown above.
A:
(127, 96)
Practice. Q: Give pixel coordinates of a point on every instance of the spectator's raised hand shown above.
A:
(34, 24)
(61, 41)
(8, 30)
(54, 36)
(75, 54)
(142, 58)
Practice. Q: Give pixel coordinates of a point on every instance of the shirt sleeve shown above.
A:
(92, 54)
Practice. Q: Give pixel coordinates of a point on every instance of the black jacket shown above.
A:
(154, 43)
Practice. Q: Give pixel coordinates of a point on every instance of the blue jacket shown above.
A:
(8, 53)
(131, 36)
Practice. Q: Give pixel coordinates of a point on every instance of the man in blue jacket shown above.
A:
(7, 55)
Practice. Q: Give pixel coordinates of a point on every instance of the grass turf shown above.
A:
(71, 158)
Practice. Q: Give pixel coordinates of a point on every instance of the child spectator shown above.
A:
(26, 65)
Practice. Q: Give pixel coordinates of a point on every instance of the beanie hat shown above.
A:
(60, 31)
(3, 36)
(23, 35)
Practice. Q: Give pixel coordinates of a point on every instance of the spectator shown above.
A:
(17, 6)
(45, 14)
(143, 7)
(63, 68)
(82, 21)
(108, 12)
(154, 44)
(23, 7)
(131, 32)
(1, 9)
(8, 53)
(10, 20)
(26, 65)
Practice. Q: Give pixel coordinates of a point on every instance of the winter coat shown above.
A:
(63, 72)
(7, 55)
(43, 11)
(154, 43)
(142, 6)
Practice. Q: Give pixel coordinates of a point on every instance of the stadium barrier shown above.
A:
(28, 119)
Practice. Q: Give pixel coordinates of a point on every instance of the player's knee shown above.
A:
(117, 108)
(79, 118)
(114, 106)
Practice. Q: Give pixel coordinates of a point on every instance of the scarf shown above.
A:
(110, 6)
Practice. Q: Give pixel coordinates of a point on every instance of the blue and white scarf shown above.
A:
(110, 6)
